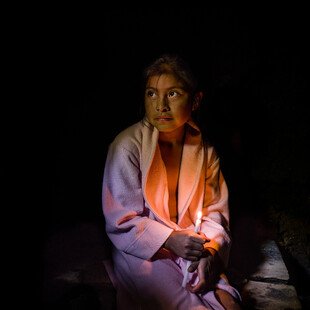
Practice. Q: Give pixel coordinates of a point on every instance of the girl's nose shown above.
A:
(162, 105)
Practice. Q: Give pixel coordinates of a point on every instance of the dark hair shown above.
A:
(176, 65)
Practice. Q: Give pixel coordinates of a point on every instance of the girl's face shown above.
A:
(167, 105)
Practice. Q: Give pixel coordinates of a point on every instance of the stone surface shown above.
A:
(268, 288)
(270, 296)
(272, 265)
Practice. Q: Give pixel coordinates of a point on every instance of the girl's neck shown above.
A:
(172, 138)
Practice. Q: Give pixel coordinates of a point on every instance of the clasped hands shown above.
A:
(194, 247)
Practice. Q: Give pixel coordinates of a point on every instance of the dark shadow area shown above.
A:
(252, 65)
(83, 297)
(299, 278)
(74, 273)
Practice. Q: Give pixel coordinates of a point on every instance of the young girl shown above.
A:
(159, 173)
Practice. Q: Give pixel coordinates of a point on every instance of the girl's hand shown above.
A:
(209, 270)
(186, 244)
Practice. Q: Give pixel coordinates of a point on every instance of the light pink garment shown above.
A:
(135, 206)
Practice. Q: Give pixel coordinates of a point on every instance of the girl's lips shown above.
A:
(163, 118)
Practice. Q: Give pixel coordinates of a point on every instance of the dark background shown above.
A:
(251, 60)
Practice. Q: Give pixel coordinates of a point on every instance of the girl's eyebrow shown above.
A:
(168, 88)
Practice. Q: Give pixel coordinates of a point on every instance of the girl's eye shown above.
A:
(150, 93)
(172, 94)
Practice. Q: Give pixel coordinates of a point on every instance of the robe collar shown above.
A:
(154, 178)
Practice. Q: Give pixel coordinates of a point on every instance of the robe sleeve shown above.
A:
(215, 219)
(127, 223)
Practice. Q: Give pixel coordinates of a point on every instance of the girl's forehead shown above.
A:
(166, 80)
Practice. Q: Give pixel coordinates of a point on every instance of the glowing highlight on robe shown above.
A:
(197, 226)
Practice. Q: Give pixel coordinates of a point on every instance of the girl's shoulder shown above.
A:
(131, 138)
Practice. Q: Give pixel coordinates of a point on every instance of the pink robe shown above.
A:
(135, 206)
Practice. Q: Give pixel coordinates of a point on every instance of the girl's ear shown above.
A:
(197, 100)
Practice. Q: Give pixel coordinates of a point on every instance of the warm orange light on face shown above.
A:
(167, 105)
